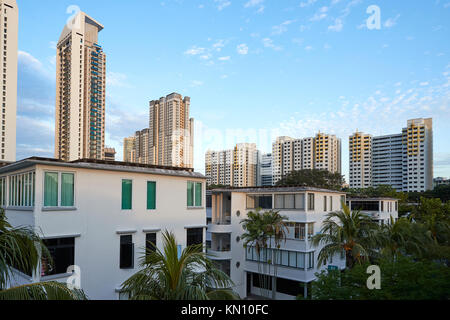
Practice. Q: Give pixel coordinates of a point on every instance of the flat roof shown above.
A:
(372, 199)
(103, 165)
(276, 189)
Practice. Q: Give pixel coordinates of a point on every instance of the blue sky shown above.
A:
(254, 69)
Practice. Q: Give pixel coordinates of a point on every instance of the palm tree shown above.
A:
(349, 231)
(21, 249)
(168, 275)
(399, 237)
(265, 231)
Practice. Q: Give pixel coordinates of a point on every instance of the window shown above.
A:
(263, 202)
(3, 191)
(53, 196)
(325, 203)
(150, 243)
(342, 202)
(310, 201)
(289, 201)
(194, 237)
(67, 189)
(151, 195)
(126, 252)
(310, 260)
(21, 190)
(331, 203)
(194, 194)
(127, 191)
(62, 252)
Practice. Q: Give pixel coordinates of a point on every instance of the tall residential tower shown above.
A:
(80, 91)
(9, 17)
(171, 136)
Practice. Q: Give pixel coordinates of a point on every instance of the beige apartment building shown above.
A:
(110, 154)
(328, 153)
(402, 160)
(80, 91)
(322, 152)
(171, 135)
(128, 149)
(9, 17)
(360, 148)
(237, 167)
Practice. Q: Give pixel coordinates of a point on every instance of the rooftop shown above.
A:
(102, 165)
(372, 199)
(276, 189)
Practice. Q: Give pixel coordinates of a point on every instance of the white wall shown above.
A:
(98, 217)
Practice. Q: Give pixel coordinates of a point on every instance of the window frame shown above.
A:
(121, 266)
(121, 194)
(194, 199)
(155, 195)
(60, 173)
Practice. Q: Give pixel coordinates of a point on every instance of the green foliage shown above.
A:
(167, 276)
(262, 226)
(42, 291)
(440, 192)
(347, 231)
(21, 248)
(313, 178)
(401, 279)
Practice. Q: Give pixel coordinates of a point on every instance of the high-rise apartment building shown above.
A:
(141, 147)
(322, 152)
(128, 149)
(418, 141)
(265, 176)
(403, 161)
(9, 18)
(328, 153)
(237, 167)
(387, 161)
(360, 148)
(110, 154)
(80, 91)
(171, 136)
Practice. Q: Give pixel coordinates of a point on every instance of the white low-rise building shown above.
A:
(305, 209)
(379, 209)
(297, 260)
(100, 215)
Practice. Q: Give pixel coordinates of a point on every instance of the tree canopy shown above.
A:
(313, 178)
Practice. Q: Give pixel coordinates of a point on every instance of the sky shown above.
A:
(254, 69)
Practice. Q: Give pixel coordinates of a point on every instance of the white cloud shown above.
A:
(308, 48)
(116, 79)
(268, 43)
(282, 28)
(222, 4)
(227, 58)
(307, 3)
(253, 3)
(194, 51)
(242, 49)
(391, 22)
(196, 83)
(337, 26)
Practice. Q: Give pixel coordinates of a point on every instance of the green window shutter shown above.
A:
(51, 189)
(198, 194)
(190, 194)
(151, 195)
(127, 190)
(67, 190)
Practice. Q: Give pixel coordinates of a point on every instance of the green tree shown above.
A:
(313, 178)
(265, 230)
(401, 279)
(400, 237)
(347, 231)
(170, 275)
(21, 249)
